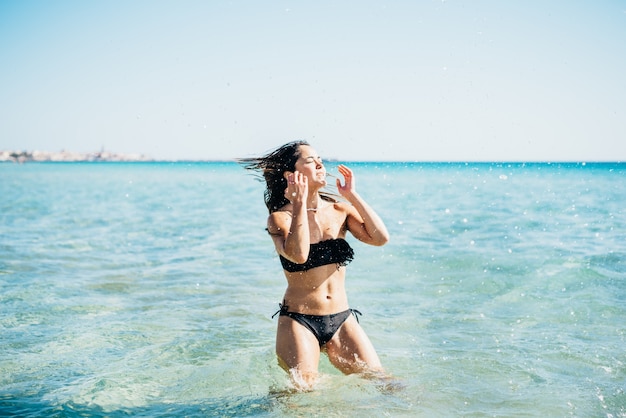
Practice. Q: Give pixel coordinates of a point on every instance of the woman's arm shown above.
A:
(290, 230)
(363, 222)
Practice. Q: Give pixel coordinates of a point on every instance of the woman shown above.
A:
(308, 229)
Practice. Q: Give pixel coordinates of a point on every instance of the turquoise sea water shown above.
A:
(147, 289)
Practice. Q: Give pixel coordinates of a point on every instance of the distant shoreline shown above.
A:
(70, 156)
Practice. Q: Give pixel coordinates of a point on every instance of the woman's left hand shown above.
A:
(349, 182)
(362, 221)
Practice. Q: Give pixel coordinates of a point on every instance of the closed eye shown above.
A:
(309, 160)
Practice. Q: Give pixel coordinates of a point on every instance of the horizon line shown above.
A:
(333, 161)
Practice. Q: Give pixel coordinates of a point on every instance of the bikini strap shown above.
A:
(355, 312)
(283, 308)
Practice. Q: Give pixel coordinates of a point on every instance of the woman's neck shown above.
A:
(314, 202)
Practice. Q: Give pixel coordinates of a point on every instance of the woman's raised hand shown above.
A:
(297, 187)
(349, 181)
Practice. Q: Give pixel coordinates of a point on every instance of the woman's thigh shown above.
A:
(351, 351)
(296, 347)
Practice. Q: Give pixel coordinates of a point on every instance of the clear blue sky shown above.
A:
(419, 80)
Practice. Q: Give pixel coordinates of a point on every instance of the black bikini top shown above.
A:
(331, 251)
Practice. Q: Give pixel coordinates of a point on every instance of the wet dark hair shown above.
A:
(273, 166)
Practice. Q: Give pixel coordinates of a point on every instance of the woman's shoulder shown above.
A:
(343, 211)
(279, 218)
(343, 207)
(282, 213)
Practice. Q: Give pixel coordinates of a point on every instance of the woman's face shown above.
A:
(310, 164)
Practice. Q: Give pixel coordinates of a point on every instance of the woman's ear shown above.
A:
(286, 174)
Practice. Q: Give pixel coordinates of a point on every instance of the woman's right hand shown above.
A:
(297, 187)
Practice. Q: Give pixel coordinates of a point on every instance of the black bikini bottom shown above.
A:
(323, 327)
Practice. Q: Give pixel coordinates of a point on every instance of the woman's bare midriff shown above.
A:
(319, 291)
